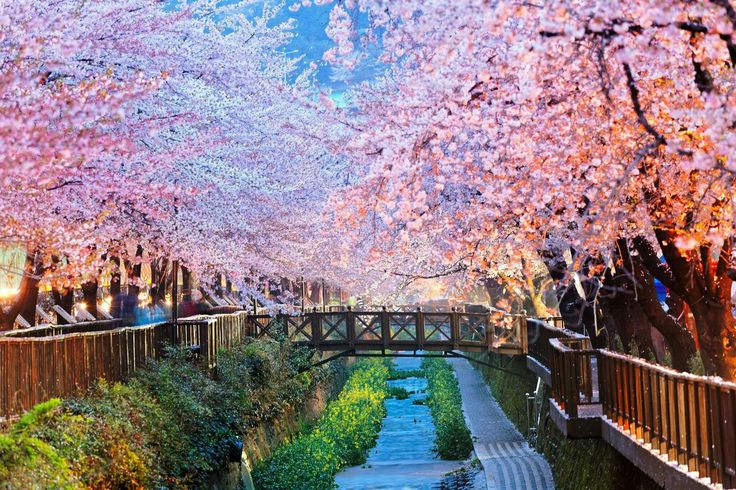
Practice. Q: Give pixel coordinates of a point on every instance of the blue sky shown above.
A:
(311, 41)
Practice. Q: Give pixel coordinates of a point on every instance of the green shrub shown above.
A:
(452, 440)
(342, 436)
(169, 426)
(398, 392)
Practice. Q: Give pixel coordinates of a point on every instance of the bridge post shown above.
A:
(316, 328)
(490, 332)
(283, 320)
(523, 333)
(455, 328)
(385, 327)
(420, 327)
(350, 326)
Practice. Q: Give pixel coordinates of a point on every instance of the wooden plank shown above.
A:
(63, 314)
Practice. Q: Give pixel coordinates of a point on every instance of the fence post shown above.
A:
(350, 326)
(420, 327)
(316, 328)
(455, 328)
(385, 327)
(523, 333)
(175, 303)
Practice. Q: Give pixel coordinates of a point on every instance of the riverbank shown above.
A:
(341, 437)
(174, 423)
(576, 463)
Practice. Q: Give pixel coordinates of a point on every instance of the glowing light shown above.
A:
(82, 305)
(106, 304)
(7, 293)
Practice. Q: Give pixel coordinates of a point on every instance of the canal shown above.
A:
(403, 457)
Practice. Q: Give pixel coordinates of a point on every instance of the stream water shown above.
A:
(403, 457)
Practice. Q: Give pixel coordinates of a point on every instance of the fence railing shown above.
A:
(687, 418)
(574, 374)
(539, 334)
(46, 362)
(691, 419)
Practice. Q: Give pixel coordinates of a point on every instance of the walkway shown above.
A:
(508, 461)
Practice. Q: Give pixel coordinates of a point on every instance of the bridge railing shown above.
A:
(394, 330)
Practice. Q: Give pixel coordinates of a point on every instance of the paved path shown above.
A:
(508, 461)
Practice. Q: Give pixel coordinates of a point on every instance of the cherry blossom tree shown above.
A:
(597, 128)
(182, 130)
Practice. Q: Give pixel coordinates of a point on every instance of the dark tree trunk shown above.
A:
(65, 299)
(703, 284)
(89, 291)
(635, 286)
(186, 284)
(160, 280)
(28, 309)
(115, 289)
(134, 273)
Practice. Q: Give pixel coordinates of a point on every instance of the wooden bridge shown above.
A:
(383, 330)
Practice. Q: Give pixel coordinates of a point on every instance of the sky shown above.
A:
(311, 41)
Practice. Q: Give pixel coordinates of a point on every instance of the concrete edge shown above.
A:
(663, 472)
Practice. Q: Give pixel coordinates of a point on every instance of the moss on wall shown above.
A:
(576, 463)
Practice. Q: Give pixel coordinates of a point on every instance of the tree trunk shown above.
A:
(65, 299)
(89, 291)
(639, 279)
(134, 273)
(186, 284)
(715, 325)
(703, 284)
(28, 309)
(160, 279)
(115, 289)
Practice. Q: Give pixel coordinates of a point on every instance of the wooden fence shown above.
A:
(39, 364)
(690, 420)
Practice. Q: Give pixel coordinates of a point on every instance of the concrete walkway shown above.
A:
(508, 461)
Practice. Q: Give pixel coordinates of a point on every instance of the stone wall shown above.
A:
(260, 441)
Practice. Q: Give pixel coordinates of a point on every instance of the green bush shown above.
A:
(452, 439)
(169, 426)
(342, 436)
(398, 392)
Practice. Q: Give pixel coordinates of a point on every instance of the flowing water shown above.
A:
(403, 458)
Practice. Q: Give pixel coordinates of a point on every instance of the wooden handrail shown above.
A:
(690, 419)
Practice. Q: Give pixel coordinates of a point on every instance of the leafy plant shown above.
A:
(398, 392)
(342, 436)
(452, 440)
(170, 425)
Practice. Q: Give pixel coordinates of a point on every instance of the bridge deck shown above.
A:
(398, 330)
